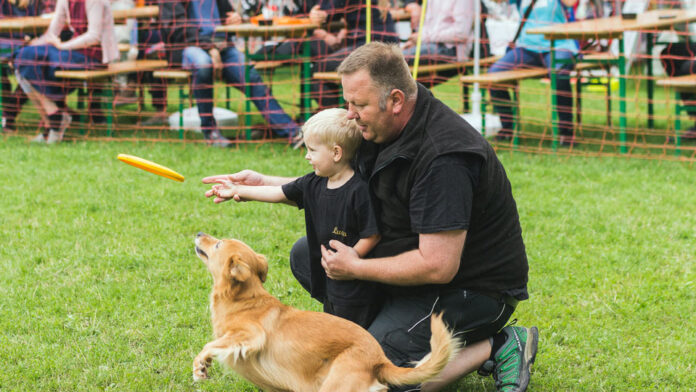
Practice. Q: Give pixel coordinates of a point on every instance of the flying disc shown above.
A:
(150, 166)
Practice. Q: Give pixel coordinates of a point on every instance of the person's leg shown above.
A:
(268, 106)
(12, 100)
(300, 263)
(200, 64)
(402, 328)
(500, 97)
(564, 95)
(327, 93)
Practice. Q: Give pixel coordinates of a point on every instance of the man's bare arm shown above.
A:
(436, 261)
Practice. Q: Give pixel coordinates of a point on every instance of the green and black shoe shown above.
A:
(514, 359)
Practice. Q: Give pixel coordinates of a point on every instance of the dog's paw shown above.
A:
(200, 370)
(200, 374)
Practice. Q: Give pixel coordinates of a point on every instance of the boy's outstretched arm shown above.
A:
(264, 193)
(365, 245)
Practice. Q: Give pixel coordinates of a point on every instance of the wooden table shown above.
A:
(37, 24)
(613, 27)
(248, 30)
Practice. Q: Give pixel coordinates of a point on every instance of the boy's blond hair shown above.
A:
(332, 127)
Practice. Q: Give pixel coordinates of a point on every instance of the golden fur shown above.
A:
(280, 348)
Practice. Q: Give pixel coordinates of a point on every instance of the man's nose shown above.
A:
(352, 114)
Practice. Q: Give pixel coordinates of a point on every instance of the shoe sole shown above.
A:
(530, 351)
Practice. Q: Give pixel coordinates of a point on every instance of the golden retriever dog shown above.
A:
(280, 348)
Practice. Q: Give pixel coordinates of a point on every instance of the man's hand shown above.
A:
(217, 63)
(233, 18)
(317, 15)
(339, 264)
(244, 177)
(412, 40)
(55, 41)
(224, 181)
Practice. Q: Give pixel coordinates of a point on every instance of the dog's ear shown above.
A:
(263, 267)
(239, 270)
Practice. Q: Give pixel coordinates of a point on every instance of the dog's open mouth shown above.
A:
(201, 253)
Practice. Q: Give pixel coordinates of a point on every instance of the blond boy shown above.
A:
(337, 206)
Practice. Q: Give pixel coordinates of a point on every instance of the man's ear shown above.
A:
(397, 99)
(239, 270)
(263, 267)
(337, 152)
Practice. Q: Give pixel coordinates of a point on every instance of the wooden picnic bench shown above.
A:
(679, 84)
(182, 77)
(89, 77)
(513, 77)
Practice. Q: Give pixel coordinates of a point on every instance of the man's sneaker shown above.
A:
(215, 139)
(40, 138)
(514, 359)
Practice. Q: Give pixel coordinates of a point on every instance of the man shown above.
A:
(451, 237)
(188, 30)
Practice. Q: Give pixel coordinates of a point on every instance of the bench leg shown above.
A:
(181, 111)
(483, 111)
(677, 126)
(516, 126)
(305, 82)
(81, 98)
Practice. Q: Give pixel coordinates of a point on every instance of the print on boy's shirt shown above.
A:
(336, 231)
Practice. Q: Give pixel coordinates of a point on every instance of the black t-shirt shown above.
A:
(345, 214)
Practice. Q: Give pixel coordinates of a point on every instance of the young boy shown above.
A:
(337, 206)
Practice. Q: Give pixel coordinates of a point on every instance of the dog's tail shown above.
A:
(443, 347)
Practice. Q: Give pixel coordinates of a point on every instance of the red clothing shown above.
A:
(77, 23)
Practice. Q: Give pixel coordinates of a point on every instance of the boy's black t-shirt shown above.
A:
(345, 214)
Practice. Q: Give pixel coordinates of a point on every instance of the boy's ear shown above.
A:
(337, 153)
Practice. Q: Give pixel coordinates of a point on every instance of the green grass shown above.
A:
(101, 290)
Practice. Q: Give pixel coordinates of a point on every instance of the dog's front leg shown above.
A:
(237, 344)
(205, 357)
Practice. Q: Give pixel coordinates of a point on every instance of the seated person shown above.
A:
(12, 100)
(680, 59)
(188, 31)
(447, 36)
(341, 44)
(533, 50)
(92, 45)
(292, 47)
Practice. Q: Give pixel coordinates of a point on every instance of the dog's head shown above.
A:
(230, 260)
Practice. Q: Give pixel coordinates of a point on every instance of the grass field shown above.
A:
(101, 290)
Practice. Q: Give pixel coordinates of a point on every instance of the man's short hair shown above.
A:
(333, 127)
(386, 65)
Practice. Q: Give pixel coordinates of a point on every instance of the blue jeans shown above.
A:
(432, 52)
(38, 65)
(520, 58)
(199, 62)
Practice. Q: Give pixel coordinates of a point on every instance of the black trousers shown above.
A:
(402, 325)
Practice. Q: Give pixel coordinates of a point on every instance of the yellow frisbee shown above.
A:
(150, 166)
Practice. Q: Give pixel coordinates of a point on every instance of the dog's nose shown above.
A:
(200, 234)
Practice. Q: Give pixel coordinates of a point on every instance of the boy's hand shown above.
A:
(223, 192)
